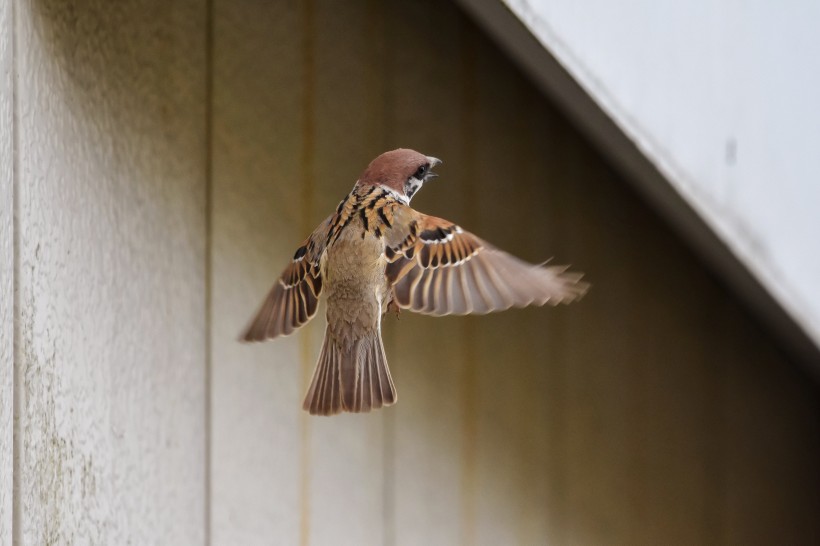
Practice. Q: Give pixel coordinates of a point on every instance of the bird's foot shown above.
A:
(392, 306)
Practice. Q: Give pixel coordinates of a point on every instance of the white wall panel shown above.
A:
(112, 355)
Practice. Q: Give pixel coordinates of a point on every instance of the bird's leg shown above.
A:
(392, 305)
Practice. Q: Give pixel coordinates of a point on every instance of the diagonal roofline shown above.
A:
(634, 161)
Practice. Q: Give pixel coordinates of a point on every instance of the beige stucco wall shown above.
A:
(171, 158)
(110, 339)
(6, 274)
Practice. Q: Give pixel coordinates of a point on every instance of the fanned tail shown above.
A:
(354, 379)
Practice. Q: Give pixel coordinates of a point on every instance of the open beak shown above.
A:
(433, 162)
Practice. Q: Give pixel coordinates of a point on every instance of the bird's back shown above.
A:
(355, 281)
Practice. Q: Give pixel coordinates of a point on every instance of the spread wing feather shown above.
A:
(436, 268)
(294, 298)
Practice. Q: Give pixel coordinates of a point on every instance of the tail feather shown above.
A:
(354, 379)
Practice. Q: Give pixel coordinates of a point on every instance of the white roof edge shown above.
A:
(643, 168)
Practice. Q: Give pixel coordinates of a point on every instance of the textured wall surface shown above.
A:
(655, 411)
(111, 266)
(6, 271)
(152, 220)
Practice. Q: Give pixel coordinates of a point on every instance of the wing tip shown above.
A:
(249, 337)
(575, 288)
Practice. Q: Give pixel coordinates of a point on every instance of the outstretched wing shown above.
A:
(294, 298)
(436, 268)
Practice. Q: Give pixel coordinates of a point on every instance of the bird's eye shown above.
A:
(421, 172)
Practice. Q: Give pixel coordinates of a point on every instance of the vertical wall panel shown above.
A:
(510, 409)
(426, 355)
(347, 452)
(111, 156)
(772, 480)
(287, 91)
(6, 271)
(550, 150)
(602, 377)
(258, 107)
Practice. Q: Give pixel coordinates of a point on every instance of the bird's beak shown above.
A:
(433, 162)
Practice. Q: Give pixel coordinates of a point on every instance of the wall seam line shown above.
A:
(308, 121)
(382, 18)
(469, 378)
(387, 51)
(208, 323)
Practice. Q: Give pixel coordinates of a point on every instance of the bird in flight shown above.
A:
(374, 254)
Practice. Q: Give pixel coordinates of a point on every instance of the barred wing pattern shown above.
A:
(294, 298)
(436, 268)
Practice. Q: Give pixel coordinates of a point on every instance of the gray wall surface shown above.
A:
(172, 156)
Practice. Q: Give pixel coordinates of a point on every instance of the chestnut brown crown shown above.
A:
(402, 170)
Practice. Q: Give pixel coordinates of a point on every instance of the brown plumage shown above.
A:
(374, 252)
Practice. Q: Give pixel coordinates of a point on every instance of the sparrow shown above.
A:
(374, 254)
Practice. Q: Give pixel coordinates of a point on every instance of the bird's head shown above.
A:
(402, 171)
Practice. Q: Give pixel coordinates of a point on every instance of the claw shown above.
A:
(392, 306)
